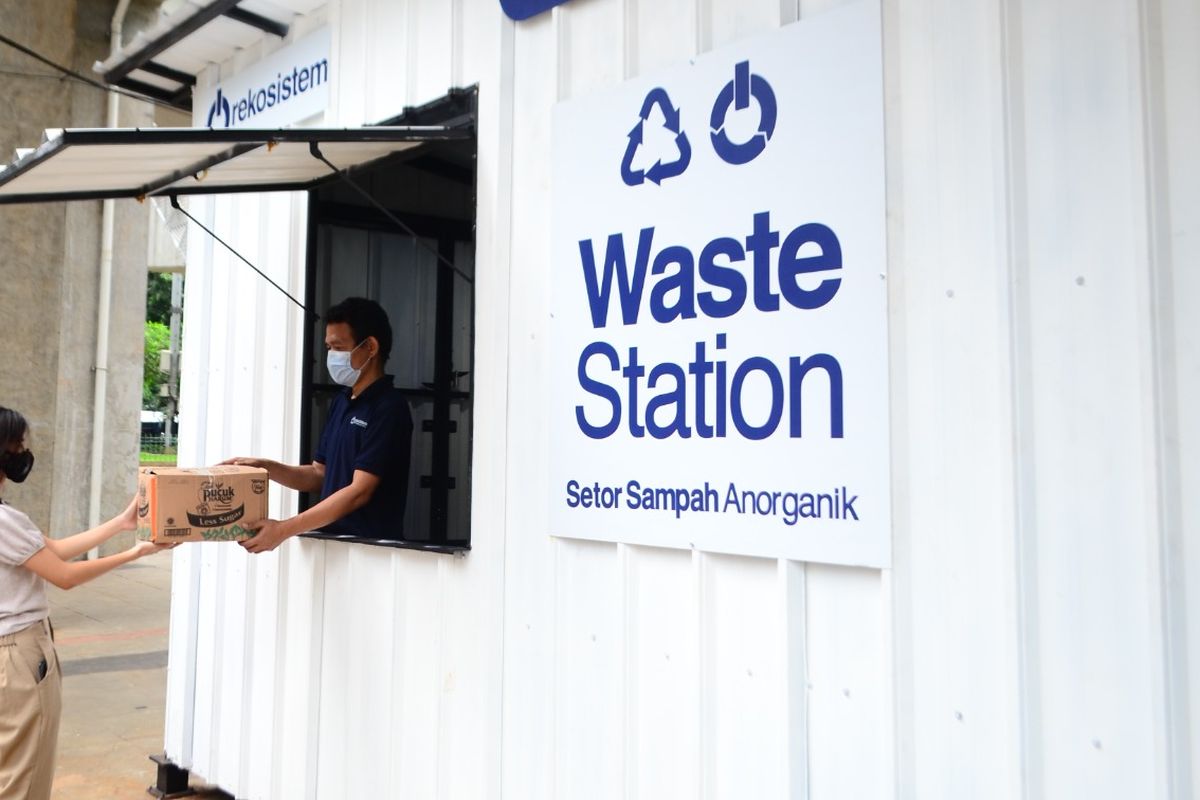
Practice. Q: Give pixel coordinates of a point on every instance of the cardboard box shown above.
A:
(203, 504)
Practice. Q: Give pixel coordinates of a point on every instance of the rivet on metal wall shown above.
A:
(950, 293)
(1096, 743)
(958, 715)
(1079, 281)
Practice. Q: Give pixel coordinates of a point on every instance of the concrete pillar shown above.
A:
(49, 266)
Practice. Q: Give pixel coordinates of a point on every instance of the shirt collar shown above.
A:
(382, 384)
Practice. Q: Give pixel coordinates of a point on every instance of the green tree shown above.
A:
(158, 338)
(158, 297)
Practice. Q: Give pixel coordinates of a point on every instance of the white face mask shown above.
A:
(338, 364)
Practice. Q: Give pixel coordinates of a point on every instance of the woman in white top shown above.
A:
(30, 683)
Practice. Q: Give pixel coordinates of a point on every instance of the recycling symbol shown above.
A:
(738, 93)
(660, 171)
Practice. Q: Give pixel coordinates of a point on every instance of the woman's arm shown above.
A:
(71, 546)
(69, 574)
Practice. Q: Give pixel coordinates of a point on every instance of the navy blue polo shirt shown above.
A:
(372, 432)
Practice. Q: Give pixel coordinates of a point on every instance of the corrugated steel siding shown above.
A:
(1033, 638)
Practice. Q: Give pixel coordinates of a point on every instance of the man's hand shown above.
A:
(270, 534)
(302, 478)
(243, 461)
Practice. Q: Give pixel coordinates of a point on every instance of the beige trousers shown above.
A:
(29, 713)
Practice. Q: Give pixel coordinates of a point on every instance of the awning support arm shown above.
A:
(199, 224)
(314, 148)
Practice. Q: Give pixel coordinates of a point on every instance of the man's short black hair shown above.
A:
(365, 318)
(12, 428)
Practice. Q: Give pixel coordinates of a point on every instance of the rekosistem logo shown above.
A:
(226, 113)
(219, 106)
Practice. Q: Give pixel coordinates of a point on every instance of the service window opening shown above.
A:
(356, 251)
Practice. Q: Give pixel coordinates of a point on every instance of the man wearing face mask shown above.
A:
(361, 465)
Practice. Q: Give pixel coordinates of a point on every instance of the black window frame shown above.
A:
(456, 109)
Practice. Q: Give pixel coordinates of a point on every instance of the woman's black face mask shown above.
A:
(16, 466)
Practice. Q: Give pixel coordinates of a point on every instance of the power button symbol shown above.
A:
(737, 93)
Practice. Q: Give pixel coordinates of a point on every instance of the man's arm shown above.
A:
(271, 533)
(302, 478)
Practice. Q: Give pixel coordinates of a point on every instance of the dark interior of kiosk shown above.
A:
(356, 250)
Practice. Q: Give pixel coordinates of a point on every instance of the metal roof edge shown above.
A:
(232, 143)
(167, 32)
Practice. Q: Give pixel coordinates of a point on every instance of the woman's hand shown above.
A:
(127, 519)
(141, 549)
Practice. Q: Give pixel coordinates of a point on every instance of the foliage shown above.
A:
(158, 338)
(158, 297)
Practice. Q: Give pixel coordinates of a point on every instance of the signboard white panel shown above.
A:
(719, 303)
(287, 86)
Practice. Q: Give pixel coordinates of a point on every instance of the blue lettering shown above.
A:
(319, 72)
(683, 281)
(722, 278)
(825, 501)
(720, 389)
(798, 370)
(705, 378)
(630, 290)
(600, 390)
(739, 377)
(761, 243)
(285, 86)
(594, 496)
(676, 397)
(634, 372)
(701, 368)
(675, 269)
(732, 499)
(791, 266)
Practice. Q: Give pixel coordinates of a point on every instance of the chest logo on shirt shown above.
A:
(362, 423)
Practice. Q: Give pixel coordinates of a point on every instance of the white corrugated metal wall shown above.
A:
(1033, 637)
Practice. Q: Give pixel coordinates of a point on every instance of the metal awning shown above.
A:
(98, 163)
(162, 61)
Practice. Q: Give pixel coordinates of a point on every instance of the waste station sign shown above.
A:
(719, 302)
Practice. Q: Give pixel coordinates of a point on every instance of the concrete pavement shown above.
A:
(111, 636)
